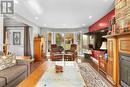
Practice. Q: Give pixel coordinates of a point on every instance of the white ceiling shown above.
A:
(63, 13)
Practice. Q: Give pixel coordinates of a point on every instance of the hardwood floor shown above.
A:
(34, 65)
(33, 78)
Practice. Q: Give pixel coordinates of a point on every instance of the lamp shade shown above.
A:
(104, 46)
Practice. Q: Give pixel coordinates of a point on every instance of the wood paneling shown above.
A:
(124, 44)
(116, 44)
(111, 61)
(119, 42)
(102, 64)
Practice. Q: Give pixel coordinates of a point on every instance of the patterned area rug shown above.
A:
(91, 77)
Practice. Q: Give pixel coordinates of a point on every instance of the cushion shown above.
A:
(13, 72)
(7, 61)
(69, 52)
(2, 82)
(1, 53)
(95, 54)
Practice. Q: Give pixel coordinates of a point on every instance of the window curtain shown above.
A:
(27, 45)
(4, 31)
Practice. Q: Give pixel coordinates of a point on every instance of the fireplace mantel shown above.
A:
(117, 35)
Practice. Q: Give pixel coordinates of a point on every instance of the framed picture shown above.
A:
(16, 38)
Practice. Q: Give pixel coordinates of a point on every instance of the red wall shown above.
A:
(103, 22)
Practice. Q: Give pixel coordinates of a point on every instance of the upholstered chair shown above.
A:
(73, 51)
(54, 51)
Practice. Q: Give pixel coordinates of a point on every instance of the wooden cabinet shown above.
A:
(112, 60)
(39, 48)
(117, 45)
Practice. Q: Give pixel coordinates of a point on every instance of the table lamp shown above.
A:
(104, 47)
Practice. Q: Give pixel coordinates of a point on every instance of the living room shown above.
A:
(64, 43)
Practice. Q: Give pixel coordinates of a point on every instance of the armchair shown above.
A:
(54, 51)
(73, 51)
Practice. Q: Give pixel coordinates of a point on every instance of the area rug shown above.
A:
(91, 77)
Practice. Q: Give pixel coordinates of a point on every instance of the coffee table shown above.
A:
(70, 77)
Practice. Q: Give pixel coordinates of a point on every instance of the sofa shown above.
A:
(12, 76)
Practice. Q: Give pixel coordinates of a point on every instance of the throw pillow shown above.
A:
(7, 61)
(12, 59)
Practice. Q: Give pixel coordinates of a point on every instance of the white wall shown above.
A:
(17, 49)
(34, 29)
(45, 30)
(1, 33)
(33, 32)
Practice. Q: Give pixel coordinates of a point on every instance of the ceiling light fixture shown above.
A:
(64, 24)
(15, 1)
(36, 18)
(84, 24)
(102, 24)
(105, 0)
(90, 17)
(34, 5)
(44, 24)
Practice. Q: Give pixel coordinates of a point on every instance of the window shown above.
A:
(49, 41)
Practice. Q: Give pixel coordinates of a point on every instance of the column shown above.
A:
(75, 38)
(54, 38)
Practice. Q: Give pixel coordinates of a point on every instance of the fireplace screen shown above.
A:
(125, 70)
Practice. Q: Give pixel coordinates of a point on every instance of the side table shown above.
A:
(25, 60)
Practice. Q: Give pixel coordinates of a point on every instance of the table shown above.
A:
(25, 60)
(70, 77)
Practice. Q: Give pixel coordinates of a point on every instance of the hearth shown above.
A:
(124, 69)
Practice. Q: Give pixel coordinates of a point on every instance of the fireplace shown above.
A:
(125, 69)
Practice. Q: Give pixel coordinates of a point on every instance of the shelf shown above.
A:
(116, 35)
